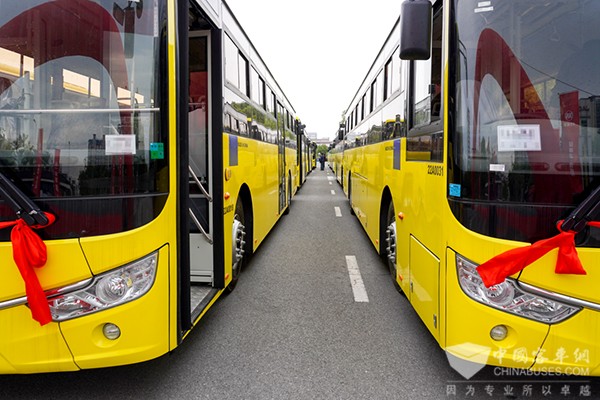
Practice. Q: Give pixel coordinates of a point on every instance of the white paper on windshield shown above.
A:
(120, 144)
(519, 138)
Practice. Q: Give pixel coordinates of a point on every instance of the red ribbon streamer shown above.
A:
(29, 251)
(495, 270)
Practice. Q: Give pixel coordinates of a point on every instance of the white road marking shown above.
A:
(338, 212)
(358, 287)
(331, 183)
(333, 192)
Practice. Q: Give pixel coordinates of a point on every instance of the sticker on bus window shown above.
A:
(519, 138)
(120, 144)
(454, 189)
(157, 151)
(484, 6)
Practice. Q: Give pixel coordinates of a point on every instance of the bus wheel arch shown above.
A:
(242, 228)
(289, 194)
(350, 193)
(388, 238)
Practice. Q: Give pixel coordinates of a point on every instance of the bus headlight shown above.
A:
(108, 290)
(510, 297)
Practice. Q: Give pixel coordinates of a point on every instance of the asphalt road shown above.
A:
(296, 328)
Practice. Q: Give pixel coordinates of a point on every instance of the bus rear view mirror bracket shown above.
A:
(415, 30)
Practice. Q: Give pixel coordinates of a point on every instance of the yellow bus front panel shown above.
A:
(25, 347)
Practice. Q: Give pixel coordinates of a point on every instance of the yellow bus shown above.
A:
(145, 153)
(473, 134)
(306, 149)
(335, 155)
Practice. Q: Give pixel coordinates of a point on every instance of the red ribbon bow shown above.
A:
(495, 270)
(29, 251)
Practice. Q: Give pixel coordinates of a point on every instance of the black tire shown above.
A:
(391, 247)
(289, 197)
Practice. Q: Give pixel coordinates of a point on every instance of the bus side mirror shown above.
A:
(415, 30)
(341, 131)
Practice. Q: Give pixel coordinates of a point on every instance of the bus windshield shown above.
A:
(79, 102)
(527, 102)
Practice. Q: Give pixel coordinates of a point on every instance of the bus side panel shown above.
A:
(256, 167)
(424, 289)
(373, 168)
(144, 325)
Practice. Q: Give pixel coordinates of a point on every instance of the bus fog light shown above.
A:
(111, 331)
(499, 332)
(508, 296)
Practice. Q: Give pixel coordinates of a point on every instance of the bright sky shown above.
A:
(336, 42)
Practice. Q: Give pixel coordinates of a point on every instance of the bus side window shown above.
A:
(426, 131)
(427, 80)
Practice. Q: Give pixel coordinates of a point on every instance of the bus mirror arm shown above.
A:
(587, 211)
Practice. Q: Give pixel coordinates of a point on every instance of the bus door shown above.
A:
(199, 125)
(281, 156)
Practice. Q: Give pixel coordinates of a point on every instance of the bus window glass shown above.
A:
(527, 118)
(231, 62)
(198, 108)
(270, 101)
(380, 89)
(388, 81)
(373, 97)
(397, 77)
(362, 108)
(79, 108)
(243, 71)
(254, 85)
(261, 92)
(427, 81)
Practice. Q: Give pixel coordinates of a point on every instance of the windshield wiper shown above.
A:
(24, 207)
(585, 212)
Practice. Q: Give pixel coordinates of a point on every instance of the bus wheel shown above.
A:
(391, 248)
(289, 197)
(238, 244)
(350, 194)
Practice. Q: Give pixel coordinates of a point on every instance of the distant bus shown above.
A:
(151, 151)
(335, 156)
(473, 136)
